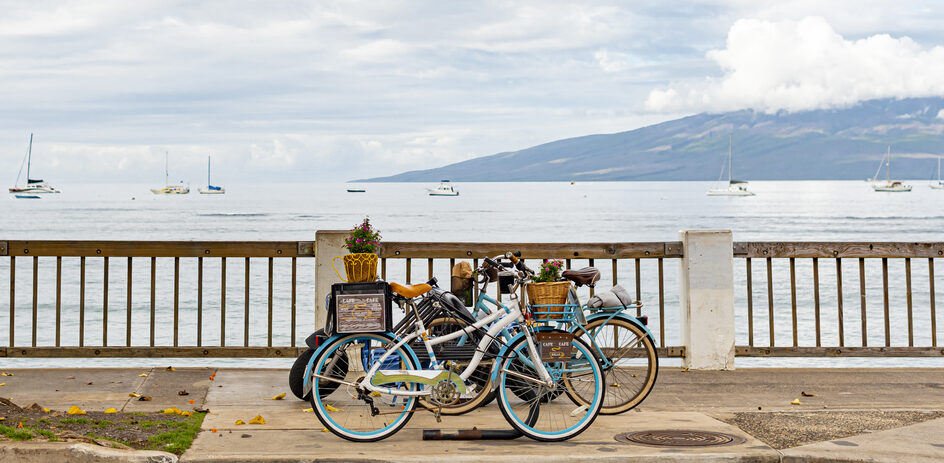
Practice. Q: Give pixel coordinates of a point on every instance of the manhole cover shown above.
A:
(677, 438)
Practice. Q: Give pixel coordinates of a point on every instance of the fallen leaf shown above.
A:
(171, 369)
(190, 401)
(111, 410)
(684, 370)
(201, 410)
(20, 425)
(6, 374)
(3, 418)
(144, 398)
(332, 409)
(183, 393)
(239, 422)
(52, 427)
(134, 394)
(808, 394)
(375, 394)
(88, 383)
(324, 430)
(143, 375)
(796, 402)
(75, 410)
(278, 397)
(46, 410)
(212, 429)
(3, 384)
(186, 413)
(257, 420)
(309, 410)
(70, 377)
(173, 411)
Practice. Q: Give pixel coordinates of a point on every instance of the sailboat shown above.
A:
(889, 186)
(210, 189)
(735, 187)
(168, 189)
(940, 184)
(33, 186)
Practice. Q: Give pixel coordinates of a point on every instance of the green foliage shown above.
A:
(179, 437)
(550, 271)
(102, 424)
(47, 434)
(96, 436)
(15, 433)
(363, 238)
(74, 421)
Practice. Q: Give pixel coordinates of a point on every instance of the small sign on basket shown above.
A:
(360, 313)
(555, 347)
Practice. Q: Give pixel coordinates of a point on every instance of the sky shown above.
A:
(327, 91)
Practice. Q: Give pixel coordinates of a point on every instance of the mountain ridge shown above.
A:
(825, 144)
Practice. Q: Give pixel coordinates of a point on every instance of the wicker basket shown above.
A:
(360, 267)
(551, 293)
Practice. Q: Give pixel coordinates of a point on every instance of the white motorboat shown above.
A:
(890, 186)
(735, 187)
(168, 189)
(33, 186)
(940, 184)
(444, 189)
(210, 189)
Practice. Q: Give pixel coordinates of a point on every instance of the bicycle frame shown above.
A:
(499, 320)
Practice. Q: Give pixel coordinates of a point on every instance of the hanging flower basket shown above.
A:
(550, 294)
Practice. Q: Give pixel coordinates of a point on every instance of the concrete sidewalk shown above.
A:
(694, 400)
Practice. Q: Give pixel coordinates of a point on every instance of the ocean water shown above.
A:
(485, 212)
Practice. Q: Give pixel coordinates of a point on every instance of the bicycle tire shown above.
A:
(628, 380)
(542, 416)
(349, 412)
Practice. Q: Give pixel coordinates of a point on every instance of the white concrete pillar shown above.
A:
(328, 244)
(707, 299)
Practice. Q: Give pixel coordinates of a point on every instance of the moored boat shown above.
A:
(444, 189)
(168, 189)
(33, 186)
(735, 187)
(890, 186)
(211, 189)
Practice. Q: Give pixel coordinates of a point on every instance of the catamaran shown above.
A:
(444, 189)
(33, 186)
(940, 184)
(168, 189)
(890, 186)
(210, 189)
(735, 187)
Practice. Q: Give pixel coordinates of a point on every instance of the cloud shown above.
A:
(801, 65)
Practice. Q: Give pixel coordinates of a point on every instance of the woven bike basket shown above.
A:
(360, 267)
(550, 293)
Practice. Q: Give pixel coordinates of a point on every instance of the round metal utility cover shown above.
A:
(678, 438)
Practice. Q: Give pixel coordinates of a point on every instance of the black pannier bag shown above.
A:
(360, 308)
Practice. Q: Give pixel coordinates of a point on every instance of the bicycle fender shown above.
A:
(504, 349)
(626, 318)
(311, 362)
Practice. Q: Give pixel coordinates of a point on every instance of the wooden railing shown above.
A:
(872, 330)
(255, 299)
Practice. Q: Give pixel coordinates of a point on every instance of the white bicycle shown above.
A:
(549, 383)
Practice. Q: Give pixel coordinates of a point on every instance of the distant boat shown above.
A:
(890, 186)
(735, 187)
(940, 184)
(210, 189)
(444, 189)
(178, 189)
(33, 186)
(356, 190)
(27, 197)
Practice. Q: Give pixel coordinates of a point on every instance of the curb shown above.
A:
(77, 452)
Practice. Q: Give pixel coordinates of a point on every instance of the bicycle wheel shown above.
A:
(352, 412)
(481, 377)
(539, 411)
(629, 360)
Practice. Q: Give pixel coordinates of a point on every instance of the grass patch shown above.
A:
(74, 421)
(112, 439)
(43, 421)
(101, 424)
(180, 435)
(47, 434)
(16, 433)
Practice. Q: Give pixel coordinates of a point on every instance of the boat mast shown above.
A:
(29, 157)
(888, 171)
(166, 176)
(730, 157)
(208, 172)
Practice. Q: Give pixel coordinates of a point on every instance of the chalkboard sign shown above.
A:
(360, 313)
(555, 347)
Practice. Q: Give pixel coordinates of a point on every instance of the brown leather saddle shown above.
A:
(584, 276)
